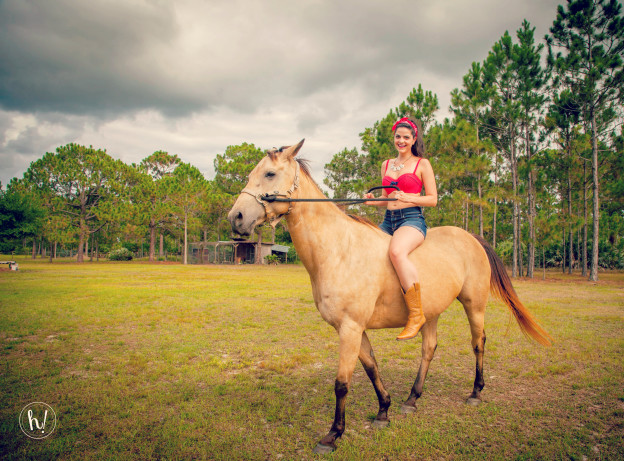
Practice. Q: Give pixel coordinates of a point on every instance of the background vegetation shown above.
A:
(532, 160)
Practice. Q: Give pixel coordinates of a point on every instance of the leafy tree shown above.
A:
(214, 211)
(462, 169)
(21, 215)
(614, 174)
(343, 174)
(421, 105)
(470, 101)
(85, 184)
(377, 146)
(189, 188)
(152, 194)
(234, 165)
(585, 50)
(58, 230)
(159, 164)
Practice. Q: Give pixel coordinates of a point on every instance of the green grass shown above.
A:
(162, 361)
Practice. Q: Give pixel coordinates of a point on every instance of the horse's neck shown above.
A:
(317, 229)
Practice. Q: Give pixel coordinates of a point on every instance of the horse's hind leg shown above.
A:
(429, 345)
(372, 370)
(475, 313)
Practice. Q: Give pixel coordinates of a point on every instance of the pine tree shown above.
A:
(85, 184)
(503, 122)
(531, 79)
(585, 51)
(152, 194)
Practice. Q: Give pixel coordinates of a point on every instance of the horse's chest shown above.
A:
(329, 310)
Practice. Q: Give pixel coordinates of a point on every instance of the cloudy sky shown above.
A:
(193, 76)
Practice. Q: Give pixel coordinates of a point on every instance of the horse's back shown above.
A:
(451, 264)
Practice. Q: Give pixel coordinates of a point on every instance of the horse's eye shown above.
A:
(269, 174)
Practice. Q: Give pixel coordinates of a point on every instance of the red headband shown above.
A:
(409, 122)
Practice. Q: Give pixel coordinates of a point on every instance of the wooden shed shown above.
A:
(233, 252)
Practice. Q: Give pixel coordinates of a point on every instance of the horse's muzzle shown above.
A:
(239, 224)
(244, 217)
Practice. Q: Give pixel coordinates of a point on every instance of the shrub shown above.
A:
(132, 246)
(272, 259)
(121, 254)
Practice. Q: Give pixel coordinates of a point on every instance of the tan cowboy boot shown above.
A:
(416, 318)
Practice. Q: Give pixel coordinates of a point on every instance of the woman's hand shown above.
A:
(402, 197)
(369, 195)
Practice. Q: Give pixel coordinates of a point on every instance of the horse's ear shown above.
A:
(293, 150)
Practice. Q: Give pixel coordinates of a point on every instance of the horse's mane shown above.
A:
(363, 220)
(304, 164)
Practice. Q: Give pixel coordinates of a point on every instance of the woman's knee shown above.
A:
(396, 253)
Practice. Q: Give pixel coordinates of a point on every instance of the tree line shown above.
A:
(81, 198)
(531, 160)
(532, 156)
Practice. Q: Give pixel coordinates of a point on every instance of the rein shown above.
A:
(349, 201)
(276, 196)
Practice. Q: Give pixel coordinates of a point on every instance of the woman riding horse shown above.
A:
(404, 219)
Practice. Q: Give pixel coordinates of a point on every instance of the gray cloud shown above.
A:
(86, 57)
(89, 72)
(93, 57)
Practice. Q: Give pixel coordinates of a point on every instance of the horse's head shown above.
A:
(277, 173)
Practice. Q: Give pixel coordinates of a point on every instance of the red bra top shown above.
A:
(407, 182)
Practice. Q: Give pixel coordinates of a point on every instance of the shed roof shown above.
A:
(280, 248)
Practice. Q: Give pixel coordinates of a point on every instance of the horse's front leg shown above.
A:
(350, 335)
(367, 358)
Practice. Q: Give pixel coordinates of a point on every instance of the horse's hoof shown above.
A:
(380, 424)
(407, 409)
(473, 402)
(321, 449)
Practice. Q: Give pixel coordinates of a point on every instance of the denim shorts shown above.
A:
(411, 217)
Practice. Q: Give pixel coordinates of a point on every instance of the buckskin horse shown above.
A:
(355, 287)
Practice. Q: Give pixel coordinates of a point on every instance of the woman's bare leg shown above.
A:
(404, 240)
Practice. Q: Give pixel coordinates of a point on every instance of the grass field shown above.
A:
(163, 361)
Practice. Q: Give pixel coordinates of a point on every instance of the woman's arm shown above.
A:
(383, 191)
(431, 191)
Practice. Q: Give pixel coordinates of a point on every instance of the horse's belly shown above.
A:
(390, 310)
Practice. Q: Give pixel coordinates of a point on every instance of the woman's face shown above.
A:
(403, 140)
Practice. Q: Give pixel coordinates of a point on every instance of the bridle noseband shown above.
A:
(263, 199)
